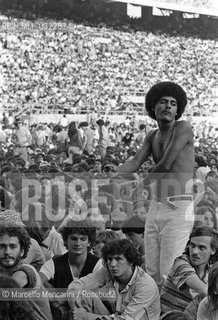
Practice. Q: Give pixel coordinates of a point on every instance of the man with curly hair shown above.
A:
(14, 246)
(170, 217)
(77, 262)
(119, 290)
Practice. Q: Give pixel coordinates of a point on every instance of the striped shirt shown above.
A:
(175, 294)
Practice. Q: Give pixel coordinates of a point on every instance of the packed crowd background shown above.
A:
(88, 69)
(91, 65)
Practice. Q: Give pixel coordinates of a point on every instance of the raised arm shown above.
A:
(140, 157)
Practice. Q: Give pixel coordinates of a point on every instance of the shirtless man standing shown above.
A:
(168, 223)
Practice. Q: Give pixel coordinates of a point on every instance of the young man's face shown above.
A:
(208, 219)
(118, 265)
(98, 166)
(166, 109)
(77, 243)
(200, 250)
(46, 185)
(10, 251)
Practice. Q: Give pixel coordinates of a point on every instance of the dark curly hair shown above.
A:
(162, 89)
(83, 227)
(13, 230)
(122, 246)
(14, 309)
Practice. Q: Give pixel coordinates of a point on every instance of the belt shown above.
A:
(174, 198)
(179, 198)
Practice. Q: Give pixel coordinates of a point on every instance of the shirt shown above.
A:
(141, 293)
(175, 294)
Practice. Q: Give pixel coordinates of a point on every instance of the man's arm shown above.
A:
(182, 135)
(183, 272)
(140, 157)
(197, 285)
(90, 282)
(21, 278)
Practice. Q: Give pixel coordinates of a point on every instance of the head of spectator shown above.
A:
(102, 238)
(207, 238)
(97, 166)
(100, 122)
(78, 231)
(201, 173)
(212, 160)
(17, 239)
(11, 216)
(120, 251)
(210, 175)
(214, 168)
(46, 183)
(205, 215)
(165, 89)
(12, 308)
(133, 228)
(200, 162)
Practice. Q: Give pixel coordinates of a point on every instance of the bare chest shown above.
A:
(76, 270)
(160, 145)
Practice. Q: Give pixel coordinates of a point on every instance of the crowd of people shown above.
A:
(66, 172)
(90, 66)
(72, 227)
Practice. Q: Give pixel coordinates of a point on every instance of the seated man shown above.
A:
(60, 271)
(188, 276)
(119, 290)
(14, 246)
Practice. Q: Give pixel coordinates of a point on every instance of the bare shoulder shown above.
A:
(183, 124)
(151, 133)
(183, 127)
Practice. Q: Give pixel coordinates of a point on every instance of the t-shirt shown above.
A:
(175, 294)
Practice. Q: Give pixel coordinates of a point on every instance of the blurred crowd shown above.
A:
(90, 66)
(91, 150)
(67, 170)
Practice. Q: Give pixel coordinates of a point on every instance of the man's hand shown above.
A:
(79, 314)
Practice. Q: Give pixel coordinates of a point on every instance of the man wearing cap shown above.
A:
(170, 217)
